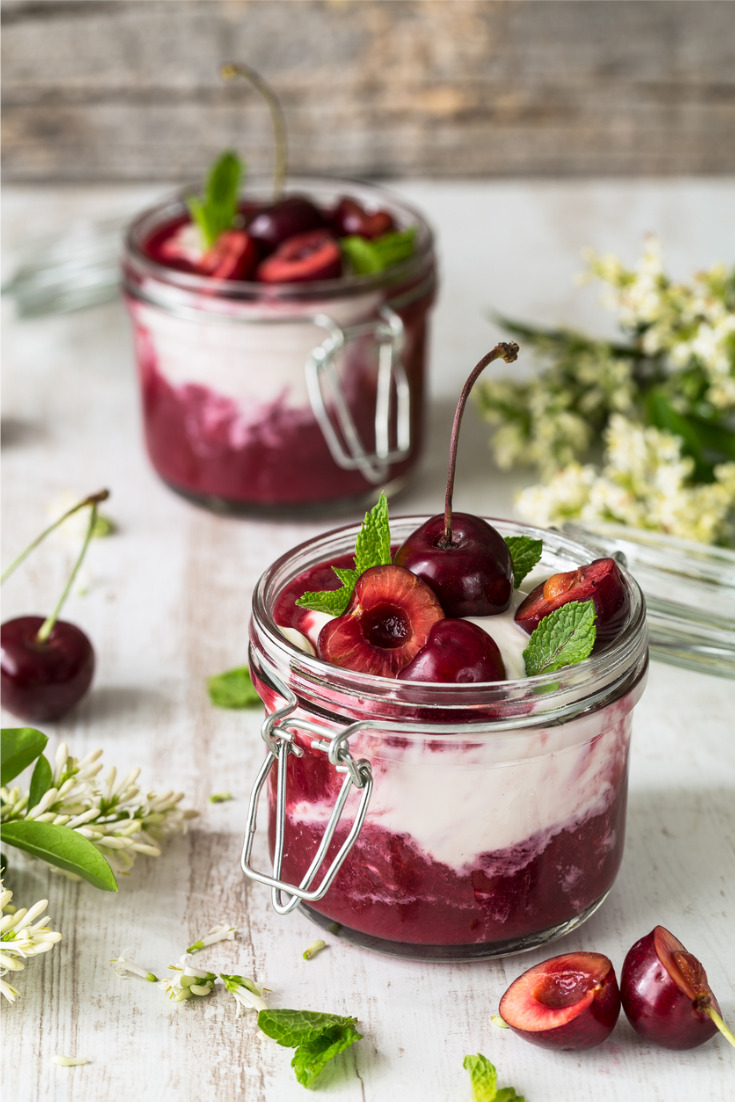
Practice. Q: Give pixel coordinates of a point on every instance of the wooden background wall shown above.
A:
(129, 89)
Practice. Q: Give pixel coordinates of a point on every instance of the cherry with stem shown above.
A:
(47, 665)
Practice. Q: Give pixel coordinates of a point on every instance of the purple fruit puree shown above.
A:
(390, 888)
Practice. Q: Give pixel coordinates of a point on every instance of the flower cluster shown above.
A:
(23, 933)
(112, 813)
(661, 401)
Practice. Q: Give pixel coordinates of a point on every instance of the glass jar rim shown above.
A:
(555, 696)
(174, 204)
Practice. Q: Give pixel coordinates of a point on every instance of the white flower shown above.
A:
(245, 992)
(23, 934)
(187, 981)
(217, 933)
(125, 967)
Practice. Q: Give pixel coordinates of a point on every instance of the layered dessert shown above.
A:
(497, 816)
(282, 366)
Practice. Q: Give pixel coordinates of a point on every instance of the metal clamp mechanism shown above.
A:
(278, 731)
(326, 392)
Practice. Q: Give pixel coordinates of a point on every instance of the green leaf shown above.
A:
(372, 548)
(525, 553)
(563, 638)
(233, 689)
(19, 746)
(484, 1078)
(215, 212)
(317, 1038)
(62, 847)
(370, 257)
(41, 779)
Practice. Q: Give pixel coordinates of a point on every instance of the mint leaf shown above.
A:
(317, 1038)
(215, 212)
(62, 847)
(370, 257)
(564, 637)
(19, 746)
(372, 548)
(233, 689)
(484, 1078)
(524, 553)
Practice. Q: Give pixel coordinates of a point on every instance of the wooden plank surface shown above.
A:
(167, 602)
(129, 89)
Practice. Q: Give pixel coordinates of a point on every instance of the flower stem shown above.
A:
(509, 352)
(279, 123)
(48, 625)
(93, 499)
(721, 1025)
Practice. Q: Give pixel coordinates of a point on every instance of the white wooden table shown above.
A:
(167, 604)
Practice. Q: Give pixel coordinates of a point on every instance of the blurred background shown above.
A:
(108, 90)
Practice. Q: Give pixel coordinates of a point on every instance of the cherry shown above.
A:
(600, 581)
(234, 255)
(385, 624)
(666, 995)
(567, 1002)
(463, 558)
(290, 217)
(350, 218)
(306, 257)
(46, 666)
(456, 651)
(43, 678)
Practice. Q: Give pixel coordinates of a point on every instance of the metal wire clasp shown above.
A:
(326, 393)
(278, 731)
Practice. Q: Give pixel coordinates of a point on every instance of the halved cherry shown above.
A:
(306, 257)
(567, 1002)
(234, 255)
(350, 218)
(600, 581)
(385, 624)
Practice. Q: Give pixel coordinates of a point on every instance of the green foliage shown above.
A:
(563, 638)
(19, 747)
(525, 552)
(233, 689)
(484, 1080)
(317, 1038)
(215, 212)
(371, 257)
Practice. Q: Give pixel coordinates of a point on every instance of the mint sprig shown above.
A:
(563, 638)
(215, 211)
(484, 1080)
(233, 689)
(525, 552)
(370, 257)
(372, 548)
(317, 1038)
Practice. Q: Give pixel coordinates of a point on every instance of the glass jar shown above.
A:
(282, 399)
(443, 822)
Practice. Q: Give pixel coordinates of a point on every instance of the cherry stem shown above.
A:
(48, 625)
(93, 499)
(279, 123)
(721, 1025)
(509, 352)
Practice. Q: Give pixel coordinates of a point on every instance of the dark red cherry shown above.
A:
(289, 217)
(234, 255)
(568, 1002)
(666, 995)
(43, 680)
(457, 651)
(471, 574)
(600, 581)
(350, 218)
(307, 257)
(462, 557)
